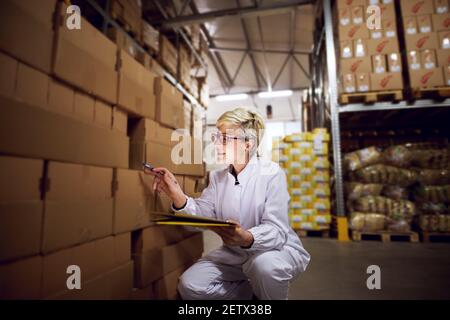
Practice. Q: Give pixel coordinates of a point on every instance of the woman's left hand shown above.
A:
(235, 235)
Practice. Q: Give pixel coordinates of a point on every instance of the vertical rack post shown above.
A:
(334, 107)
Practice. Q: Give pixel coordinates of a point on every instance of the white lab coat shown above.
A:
(260, 203)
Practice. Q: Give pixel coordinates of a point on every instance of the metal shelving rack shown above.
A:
(324, 91)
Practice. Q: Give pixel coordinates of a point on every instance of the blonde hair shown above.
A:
(249, 121)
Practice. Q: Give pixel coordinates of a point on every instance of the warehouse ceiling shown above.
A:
(254, 45)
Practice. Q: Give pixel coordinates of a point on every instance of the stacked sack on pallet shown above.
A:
(386, 189)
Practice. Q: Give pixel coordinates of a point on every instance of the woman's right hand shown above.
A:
(165, 181)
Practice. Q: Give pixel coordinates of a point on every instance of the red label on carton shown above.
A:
(355, 66)
(382, 45)
(385, 81)
(424, 79)
(422, 41)
(352, 31)
(417, 6)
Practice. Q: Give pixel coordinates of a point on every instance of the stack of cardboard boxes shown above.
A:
(426, 28)
(168, 55)
(128, 13)
(304, 157)
(369, 59)
(69, 199)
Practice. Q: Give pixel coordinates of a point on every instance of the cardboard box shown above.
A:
(21, 279)
(112, 285)
(390, 27)
(356, 65)
(348, 83)
(428, 59)
(129, 13)
(134, 200)
(33, 21)
(119, 120)
(149, 36)
(159, 236)
(441, 6)
(359, 48)
(379, 64)
(167, 54)
(424, 23)
(444, 39)
(394, 62)
(362, 82)
(446, 70)
(346, 49)
(377, 34)
(416, 7)
(358, 14)
(88, 144)
(410, 25)
(122, 41)
(386, 81)
(61, 98)
(83, 107)
(21, 210)
(78, 205)
(135, 87)
(8, 75)
(441, 22)
(32, 86)
(349, 3)
(414, 62)
(166, 287)
(382, 46)
(422, 41)
(443, 57)
(387, 11)
(352, 32)
(344, 16)
(86, 59)
(426, 78)
(103, 114)
(191, 188)
(154, 264)
(169, 104)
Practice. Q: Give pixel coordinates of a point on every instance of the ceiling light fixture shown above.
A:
(232, 97)
(275, 94)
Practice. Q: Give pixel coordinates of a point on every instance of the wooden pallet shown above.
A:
(323, 233)
(385, 236)
(371, 97)
(438, 93)
(428, 236)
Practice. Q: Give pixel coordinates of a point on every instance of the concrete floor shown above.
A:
(338, 270)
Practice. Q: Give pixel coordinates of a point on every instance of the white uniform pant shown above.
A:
(226, 274)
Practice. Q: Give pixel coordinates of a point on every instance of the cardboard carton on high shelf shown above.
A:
(424, 24)
(128, 13)
(341, 4)
(135, 87)
(103, 114)
(441, 6)
(94, 259)
(61, 98)
(169, 104)
(90, 144)
(78, 205)
(416, 7)
(446, 70)
(187, 106)
(85, 58)
(386, 81)
(441, 22)
(352, 32)
(356, 65)
(444, 39)
(382, 46)
(154, 264)
(32, 21)
(115, 284)
(21, 279)
(167, 54)
(149, 36)
(8, 69)
(122, 41)
(32, 86)
(21, 208)
(426, 78)
(422, 41)
(443, 57)
(387, 11)
(133, 200)
(390, 27)
(84, 107)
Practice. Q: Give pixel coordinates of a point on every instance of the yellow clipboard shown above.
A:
(182, 219)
